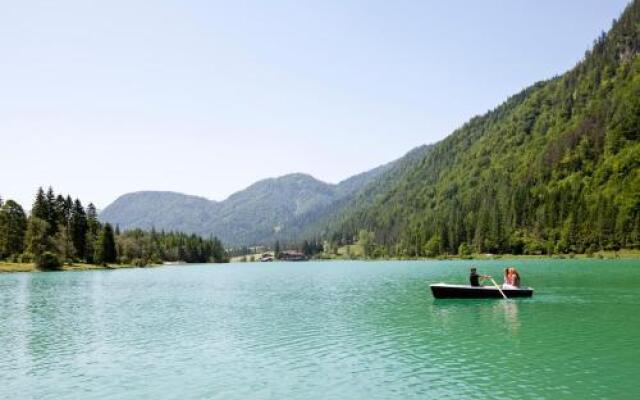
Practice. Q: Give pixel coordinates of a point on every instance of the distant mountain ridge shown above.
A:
(271, 209)
(147, 209)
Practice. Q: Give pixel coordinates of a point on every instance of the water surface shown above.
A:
(319, 330)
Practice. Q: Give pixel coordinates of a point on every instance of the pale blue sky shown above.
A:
(99, 98)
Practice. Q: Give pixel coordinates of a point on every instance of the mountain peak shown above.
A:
(163, 193)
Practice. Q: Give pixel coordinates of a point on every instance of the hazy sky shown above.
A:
(100, 98)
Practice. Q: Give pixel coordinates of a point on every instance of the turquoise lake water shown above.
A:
(320, 330)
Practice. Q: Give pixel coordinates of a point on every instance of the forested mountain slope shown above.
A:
(375, 190)
(162, 210)
(268, 209)
(271, 209)
(556, 168)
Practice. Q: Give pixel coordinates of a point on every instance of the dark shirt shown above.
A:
(474, 279)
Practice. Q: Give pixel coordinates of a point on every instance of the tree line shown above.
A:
(61, 230)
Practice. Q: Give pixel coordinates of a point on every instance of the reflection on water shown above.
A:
(510, 310)
(318, 330)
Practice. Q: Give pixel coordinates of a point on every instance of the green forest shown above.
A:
(61, 230)
(553, 170)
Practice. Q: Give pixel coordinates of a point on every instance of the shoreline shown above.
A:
(600, 255)
(9, 267)
(604, 255)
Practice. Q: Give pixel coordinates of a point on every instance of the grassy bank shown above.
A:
(31, 267)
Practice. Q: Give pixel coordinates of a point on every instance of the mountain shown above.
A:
(271, 209)
(369, 193)
(163, 210)
(554, 169)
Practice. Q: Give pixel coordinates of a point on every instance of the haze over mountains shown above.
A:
(554, 169)
(268, 210)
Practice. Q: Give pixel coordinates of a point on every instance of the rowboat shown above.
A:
(448, 291)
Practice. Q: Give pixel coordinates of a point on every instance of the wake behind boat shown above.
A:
(449, 291)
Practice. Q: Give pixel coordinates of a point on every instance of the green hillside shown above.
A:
(333, 222)
(554, 169)
(269, 210)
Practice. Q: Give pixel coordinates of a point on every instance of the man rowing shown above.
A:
(474, 277)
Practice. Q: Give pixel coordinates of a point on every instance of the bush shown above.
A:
(139, 262)
(463, 250)
(25, 258)
(432, 247)
(535, 246)
(49, 260)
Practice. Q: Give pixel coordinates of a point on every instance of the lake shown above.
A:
(320, 330)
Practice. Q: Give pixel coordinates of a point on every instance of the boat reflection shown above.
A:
(483, 312)
(510, 311)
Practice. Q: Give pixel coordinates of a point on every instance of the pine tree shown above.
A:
(92, 218)
(78, 229)
(61, 211)
(52, 216)
(106, 246)
(91, 236)
(39, 208)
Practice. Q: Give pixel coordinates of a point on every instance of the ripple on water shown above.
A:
(316, 331)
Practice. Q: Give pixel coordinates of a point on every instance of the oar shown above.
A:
(499, 290)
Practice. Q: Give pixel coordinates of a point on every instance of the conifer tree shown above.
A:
(61, 211)
(13, 225)
(39, 208)
(78, 229)
(52, 216)
(92, 218)
(92, 231)
(106, 246)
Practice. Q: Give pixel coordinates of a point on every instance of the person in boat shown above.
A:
(474, 277)
(507, 280)
(511, 278)
(515, 277)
